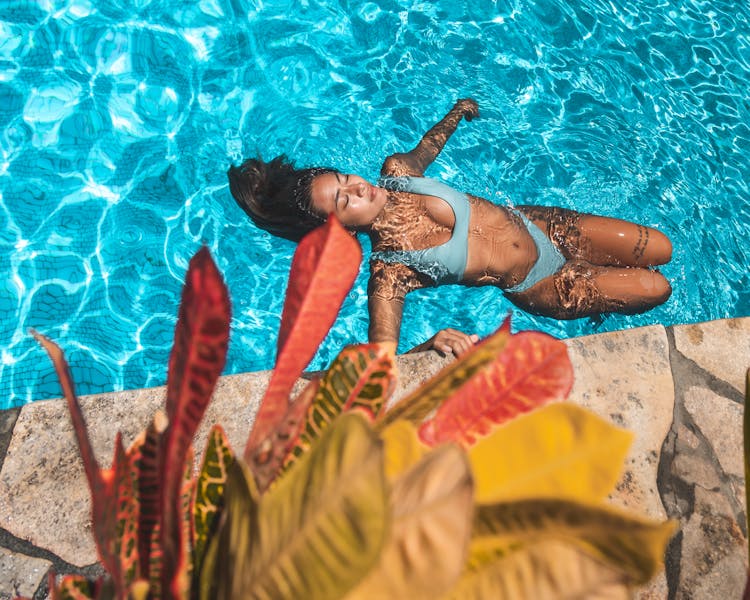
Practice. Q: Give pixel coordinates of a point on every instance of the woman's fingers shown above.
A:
(451, 340)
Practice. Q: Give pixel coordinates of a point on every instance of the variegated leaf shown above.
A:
(209, 491)
(128, 514)
(268, 458)
(226, 574)
(361, 377)
(72, 587)
(144, 455)
(533, 369)
(196, 361)
(101, 482)
(428, 397)
(323, 524)
(324, 267)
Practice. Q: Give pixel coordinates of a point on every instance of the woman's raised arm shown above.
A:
(416, 161)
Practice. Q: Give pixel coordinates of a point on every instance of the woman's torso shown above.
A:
(500, 250)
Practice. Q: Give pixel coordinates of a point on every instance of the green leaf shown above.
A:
(361, 377)
(323, 524)
(226, 566)
(209, 491)
(548, 569)
(630, 544)
(431, 508)
(532, 370)
(422, 401)
(559, 451)
(73, 587)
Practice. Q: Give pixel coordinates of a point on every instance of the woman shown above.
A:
(549, 261)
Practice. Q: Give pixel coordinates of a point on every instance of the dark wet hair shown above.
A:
(276, 195)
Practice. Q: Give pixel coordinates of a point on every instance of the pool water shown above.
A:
(118, 120)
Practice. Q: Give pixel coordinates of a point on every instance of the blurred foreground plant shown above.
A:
(454, 492)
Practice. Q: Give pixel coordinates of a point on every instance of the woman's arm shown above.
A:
(389, 283)
(416, 161)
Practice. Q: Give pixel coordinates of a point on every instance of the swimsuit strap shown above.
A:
(445, 263)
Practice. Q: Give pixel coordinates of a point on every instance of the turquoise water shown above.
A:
(119, 119)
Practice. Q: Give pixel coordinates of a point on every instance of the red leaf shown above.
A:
(144, 455)
(324, 268)
(268, 458)
(197, 359)
(101, 483)
(128, 509)
(533, 369)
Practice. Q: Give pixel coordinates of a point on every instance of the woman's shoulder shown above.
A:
(400, 165)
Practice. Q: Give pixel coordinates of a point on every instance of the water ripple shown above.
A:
(118, 121)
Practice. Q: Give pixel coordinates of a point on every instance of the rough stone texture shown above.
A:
(625, 377)
(8, 420)
(680, 390)
(20, 575)
(720, 347)
(720, 420)
(701, 477)
(33, 506)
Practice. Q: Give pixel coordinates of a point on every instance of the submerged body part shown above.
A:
(548, 261)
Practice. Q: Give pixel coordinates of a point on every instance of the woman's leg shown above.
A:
(601, 240)
(580, 290)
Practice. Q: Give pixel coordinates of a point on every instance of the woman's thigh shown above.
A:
(601, 240)
(581, 290)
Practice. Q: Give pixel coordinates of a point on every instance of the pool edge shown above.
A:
(681, 465)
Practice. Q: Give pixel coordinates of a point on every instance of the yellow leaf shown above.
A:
(546, 570)
(431, 508)
(559, 451)
(628, 543)
(323, 524)
(402, 448)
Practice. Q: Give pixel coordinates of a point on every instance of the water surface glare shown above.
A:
(118, 120)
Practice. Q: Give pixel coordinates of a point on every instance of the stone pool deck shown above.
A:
(680, 389)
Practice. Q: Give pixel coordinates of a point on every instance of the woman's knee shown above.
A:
(660, 287)
(660, 251)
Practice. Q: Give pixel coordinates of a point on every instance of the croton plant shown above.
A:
(482, 483)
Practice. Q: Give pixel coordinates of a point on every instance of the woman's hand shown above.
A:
(468, 107)
(447, 341)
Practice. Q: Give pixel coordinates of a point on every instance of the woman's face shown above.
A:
(355, 202)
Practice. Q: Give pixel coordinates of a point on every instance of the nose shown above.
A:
(360, 189)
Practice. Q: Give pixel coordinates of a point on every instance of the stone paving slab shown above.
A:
(625, 378)
(20, 575)
(722, 348)
(665, 385)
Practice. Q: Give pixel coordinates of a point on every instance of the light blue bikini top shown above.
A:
(444, 263)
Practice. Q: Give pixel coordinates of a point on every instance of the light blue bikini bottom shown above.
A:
(549, 259)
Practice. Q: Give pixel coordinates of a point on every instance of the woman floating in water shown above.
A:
(548, 261)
